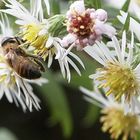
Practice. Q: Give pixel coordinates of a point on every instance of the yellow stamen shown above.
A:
(3, 78)
(118, 124)
(120, 79)
(138, 2)
(32, 36)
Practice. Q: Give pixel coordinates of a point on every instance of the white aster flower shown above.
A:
(14, 87)
(134, 6)
(17, 89)
(64, 60)
(34, 26)
(113, 117)
(4, 22)
(85, 26)
(35, 32)
(118, 75)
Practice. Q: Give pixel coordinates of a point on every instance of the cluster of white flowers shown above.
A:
(118, 78)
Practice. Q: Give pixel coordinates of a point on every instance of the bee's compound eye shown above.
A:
(6, 40)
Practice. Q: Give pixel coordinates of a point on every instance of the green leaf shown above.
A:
(57, 27)
(136, 59)
(126, 25)
(138, 136)
(91, 116)
(90, 67)
(57, 103)
(55, 7)
(93, 4)
(126, 6)
(97, 4)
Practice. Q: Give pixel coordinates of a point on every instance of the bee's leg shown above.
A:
(34, 56)
(38, 60)
(24, 45)
(40, 63)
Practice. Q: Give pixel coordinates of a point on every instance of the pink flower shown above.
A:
(85, 26)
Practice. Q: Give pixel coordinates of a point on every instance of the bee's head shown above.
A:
(6, 40)
(13, 40)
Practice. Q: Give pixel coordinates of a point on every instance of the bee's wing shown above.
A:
(38, 61)
(12, 58)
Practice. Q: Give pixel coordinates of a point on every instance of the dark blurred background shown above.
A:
(36, 125)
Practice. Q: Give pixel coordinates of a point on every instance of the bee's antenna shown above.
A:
(19, 40)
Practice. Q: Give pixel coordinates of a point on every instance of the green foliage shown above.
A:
(57, 27)
(136, 60)
(138, 136)
(126, 25)
(93, 3)
(84, 80)
(124, 8)
(55, 7)
(54, 95)
(91, 116)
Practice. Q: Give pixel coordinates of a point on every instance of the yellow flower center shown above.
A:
(117, 124)
(31, 33)
(138, 2)
(120, 79)
(3, 78)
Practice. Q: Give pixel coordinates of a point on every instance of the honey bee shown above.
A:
(25, 65)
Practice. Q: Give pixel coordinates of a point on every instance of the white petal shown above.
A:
(61, 64)
(78, 6)
(74, 66)
(95, 96)
(1, 91)
(123, 45)
(91, 52)
(77, 58)
(50, 59)
(104, 28)
(8, 95)
(49, 42)
(117, 49)
(123, 17)
(48, 6)
(134, 27)
(130, 53)
(67, 70)
(39, 82)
